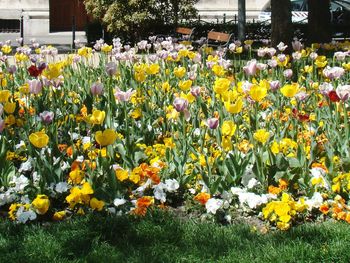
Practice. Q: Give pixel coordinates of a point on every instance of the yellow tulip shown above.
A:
(179, 72)
(97, 117)
(261, 135)
(185, 85)
(106, 137)
(235, 107)
(4, 95)
(10, 107)
(153, 69)
(106, 48)
(218, 70)
(6, 49)
(228, 128)
(258, 93)
(221, 85)
(39, 139)
(290, 90)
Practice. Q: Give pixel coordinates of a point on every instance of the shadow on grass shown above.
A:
(162, 238)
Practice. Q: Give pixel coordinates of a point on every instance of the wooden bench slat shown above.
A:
(218, 36)
(184, 30)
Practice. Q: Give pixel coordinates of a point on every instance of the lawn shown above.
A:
(161, 237)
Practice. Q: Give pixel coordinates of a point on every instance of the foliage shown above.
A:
(134, 19)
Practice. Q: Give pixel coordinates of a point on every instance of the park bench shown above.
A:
(218, 39)
(180, 34)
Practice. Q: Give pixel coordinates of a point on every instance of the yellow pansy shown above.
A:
(121, 174)
(96, 204)
(41, 204)
(58, 216)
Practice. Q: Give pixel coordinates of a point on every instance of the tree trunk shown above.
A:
(241, 19)
(281, 22)
(319, 21)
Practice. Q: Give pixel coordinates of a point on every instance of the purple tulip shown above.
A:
(12, 69)
(196, 91)
(180, 104)
(251, 68)
(213, 123)
(288, 73)
(111, 68)
(275, 85)
(124, 95)
(47, 116)
(343, 92)
(2, 125)
(333, 73)
(325, 88)
(97, 88)
(35, 86)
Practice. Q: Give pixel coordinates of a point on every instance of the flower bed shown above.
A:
(119, 130)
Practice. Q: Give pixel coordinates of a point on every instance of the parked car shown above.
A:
(340, 12)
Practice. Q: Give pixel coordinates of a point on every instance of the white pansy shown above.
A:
(26, 166)
(143, 187)
(252, 200)
(158, 191)
(315, 201)
(61, 187)
(252, 183)
(7, 198)
(119, 201)
(213, 204)
(19, 183)
(171, 185)
(23, 216)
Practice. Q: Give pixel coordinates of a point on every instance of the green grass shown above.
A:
(162, 238)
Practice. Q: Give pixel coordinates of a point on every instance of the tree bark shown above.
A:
(241, 19)
(281, 22)
(319, 21)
